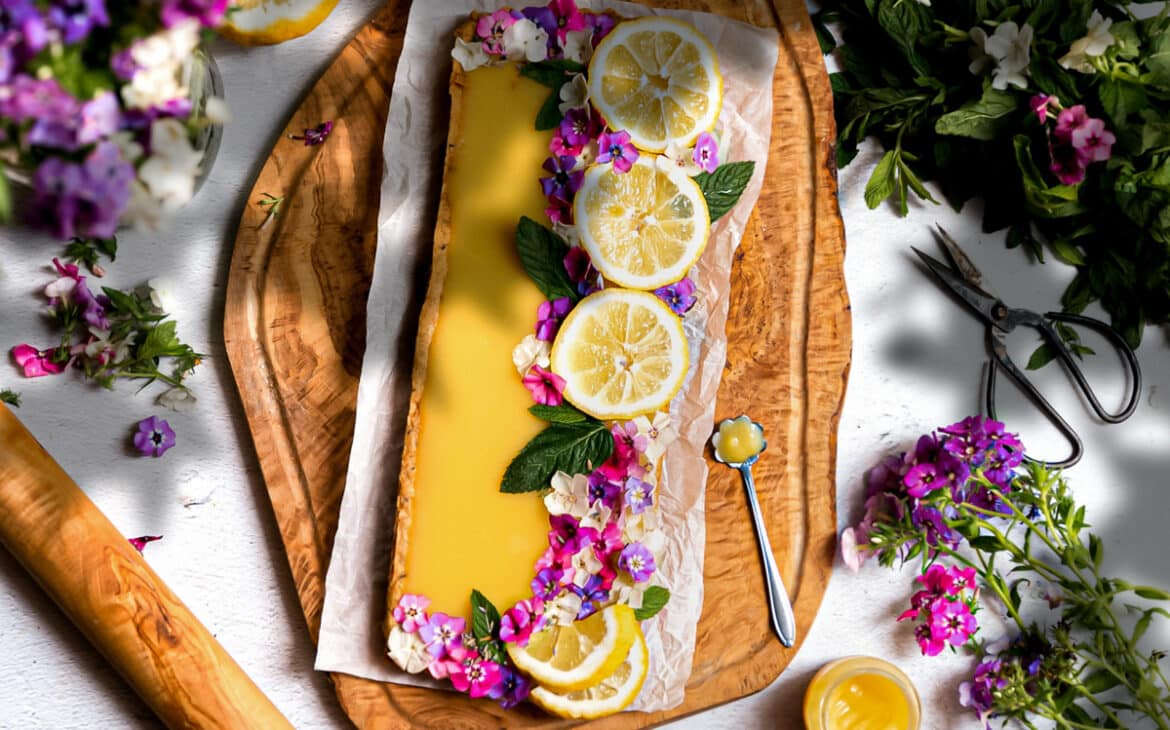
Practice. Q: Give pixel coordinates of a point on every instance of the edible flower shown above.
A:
(678, 157)
(679, 296)
(407, 650)
(570, 495)
(558, 18)
(573, 94)
(545, 386)
(314, 136)
(580, 269)
(491, 29)
(639, 495)
(549, 315)
(637, 562)
(531, 351)
(578, 46)
(154, 436)
(141, 542)
(615, 147)
(521, 621)
(443, 634)
(1009, 47)
(469, 55)
(579, 126)
(568, 536)
(475, 675)
(36, 363)
(547, 584)
(592, 594)
(706, 154)
(601, 489)
(511, 689)
(524, 40)
(410, 613)
(659, 433)
(1095, 43)
(563, 181)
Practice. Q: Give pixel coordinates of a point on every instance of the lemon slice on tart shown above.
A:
(645, 228)
(581, 654)
(658, 79)
(612, 694)
(622, 354)
(266, 22)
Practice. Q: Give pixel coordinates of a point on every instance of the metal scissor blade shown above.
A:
(959, 258)
(982, 302)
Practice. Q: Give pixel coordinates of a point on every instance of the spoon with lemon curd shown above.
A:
(738, 443)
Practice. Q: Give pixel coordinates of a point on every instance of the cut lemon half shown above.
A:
(658, 79)
(612, 694)
(622, 353)
(644, 228)
(578, 656)
(266, 22)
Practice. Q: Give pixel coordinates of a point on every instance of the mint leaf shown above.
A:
(10, 397)
(1043, 355)
(549, 116)
(560, 414)
(551, 73)
(981, 118)
(881, 182)
(575, 448)
(723, 187)
(485, 619)
(653, 601)
(543, 254)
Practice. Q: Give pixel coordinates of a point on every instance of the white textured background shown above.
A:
(917, 361)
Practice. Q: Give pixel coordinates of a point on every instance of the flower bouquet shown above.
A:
(101, 105)
(1055, 112)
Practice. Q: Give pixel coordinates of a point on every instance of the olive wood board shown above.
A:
(295, 333)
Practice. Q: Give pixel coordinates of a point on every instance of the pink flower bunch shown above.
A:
(545, 386)
(945, 608)
(491, 29)
(522, 621)
(70, 299)
(1075, 141)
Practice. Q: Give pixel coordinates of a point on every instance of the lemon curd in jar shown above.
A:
(861, 693)
(739, 440)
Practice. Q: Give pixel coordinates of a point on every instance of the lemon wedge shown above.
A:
(612, 694)
(266, 22)
(622, 353)
(580, 655)
(658, 79)
(644, 228)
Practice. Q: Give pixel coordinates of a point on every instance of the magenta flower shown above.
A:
(35, 363)
(615, 147)
(154, 436)
(549, 315)
(930, 644)
(568, 537)
(937, 580)
(475, 675)
(580, 126)
(580, 269)
(608, 543)
(208, 12)
(559, 211)
(963, 579)
(314, 136)
(706, 154)
(638, 561)
(679, 296)
(140, 542)
(511, 689)
(410, 613)
(491, 29)
(443, 635)
(1093, 142)
(639, 495)
(545, 386)
(952, 621)
(920, 480)
(601, 489)
(563, 181)
(522, 621)
(557, 19)
(547, 583)
(1044, 106)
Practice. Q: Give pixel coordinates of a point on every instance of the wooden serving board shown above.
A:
(295, 333)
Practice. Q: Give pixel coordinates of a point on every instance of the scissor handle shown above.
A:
(1119, 344)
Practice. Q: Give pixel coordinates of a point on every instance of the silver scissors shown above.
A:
(964, 279)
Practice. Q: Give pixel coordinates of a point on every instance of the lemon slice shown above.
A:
(644, 228)
(612, 694)
(622, 353)
(266, 22)
(580, 655)
(658, 79)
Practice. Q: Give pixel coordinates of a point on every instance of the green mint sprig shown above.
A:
(723, 188)
(10, 397)
(653, 600)
(485, 627)
(568, 445)
(553, 74)
(542, 252)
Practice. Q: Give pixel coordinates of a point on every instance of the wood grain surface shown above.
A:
(105, 587)
(295, 334)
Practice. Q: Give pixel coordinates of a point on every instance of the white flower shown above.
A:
(216, 111)
(1096, 42)
(164, 63)
(924, 2)
(579, 45)
(586, 565)
(105, 350)
(407, 650)
(626, 591)
(654, 541)
(569, 232)
(587, 155)
(574, 93)
(169, 173)
(569, 495)
(659, 434)
(469, 55)
(531, 351)
(178, 399)
(525, 40)
(60, 288)
(564, 608)
(162, 293)
(977, 54)
(636, 527)
(1010, 46)
(677, 157)
(128, 146)
(597, 517)
(143, 211)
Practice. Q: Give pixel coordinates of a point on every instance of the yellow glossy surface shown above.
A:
(465, 534)
(739, 440)
(861, 693)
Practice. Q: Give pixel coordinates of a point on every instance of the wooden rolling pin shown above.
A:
(105, 587)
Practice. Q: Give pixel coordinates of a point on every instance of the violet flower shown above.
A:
(564, 181)
(511, 689)
(579, 126)
(615, 147)
(547, 584)
(568, 537)
(314, 136)
(549, 315)
(209, 13)
(154, 436)
(637, 561)
(601, 489)
(592, 594)
(679, 296)
(580, 269)
(706, 154)
(443, 634)
(76, 18)
(23, 33)
(601, 24)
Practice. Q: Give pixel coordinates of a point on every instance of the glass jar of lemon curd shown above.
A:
(861, 693)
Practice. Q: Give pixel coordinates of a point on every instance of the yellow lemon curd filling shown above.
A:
(464, 533)
(861, 693)
(739, 440)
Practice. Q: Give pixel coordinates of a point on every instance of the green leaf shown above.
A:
(722, 188)
(551, 73)
(10, 397)
(563, 413)
(987, 543)
(542, 252)
(1067, 252)
(5, 198)
(1120, 99)
(881, 183)
(549, 116)
(160, 340)
(653, 601)
(1154, 594)
(1100, 681)
(574, 448)
(981, 119)
(1045, 201)
(1158, 59)
(485, 619)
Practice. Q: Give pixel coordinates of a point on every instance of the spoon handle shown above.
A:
(780, 608)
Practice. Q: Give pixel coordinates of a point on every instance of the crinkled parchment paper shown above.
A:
(351, 635)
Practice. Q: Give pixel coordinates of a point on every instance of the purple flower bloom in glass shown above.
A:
(638, 561)
(549, 315)
(580, 126)
(76, 18)
(706, 154)
(442, 634)
(22, 29)
(592, 593)
(937, 530)
(511, 689)
(601, 488)
(154, 436)
(639, 495)
(99, 118)
(580, 269)
(547, 584)
(123, 65)
(564, 181)
(679, 296)
(615, 147)
(208, 12)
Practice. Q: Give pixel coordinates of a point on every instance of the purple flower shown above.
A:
(567, 535)
(547, 584)
(99, 118)
(208, 12)
(615, 147)
(563, 182)
(638, 561)
(141, 542)
(442, 634)
(23, 32)
(123, 65)
(937, 530)
(601, 24)
(639, 495)
(679, 296)
(706, 154)
(580, 269)
(549, 315)
(580, 126)
(154, 436)
(592, 593)
(979, 693)
(92, 308)
(511, 689)
(603, 490)
(74, 199)
(920, 480)
(491, 29)
(314, 136)
(411, 613)
(75, 18)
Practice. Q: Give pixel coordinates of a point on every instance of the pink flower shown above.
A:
(609, 542)
(952, 621)
(549, 315)
(938, 580)
(443, 635)
(410, 613)
(1068, 120)
(475, 676)
(491, 29)
(1093, 142)
(706, 154)
(1043, 106)
(568, 537)
(140, 542)
(930, 644)
(1067, 165)
(521, 621)
(442, 668)
(963, 579)
(568, 17)
(615, 147)
(35, 362)
(546, 386)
